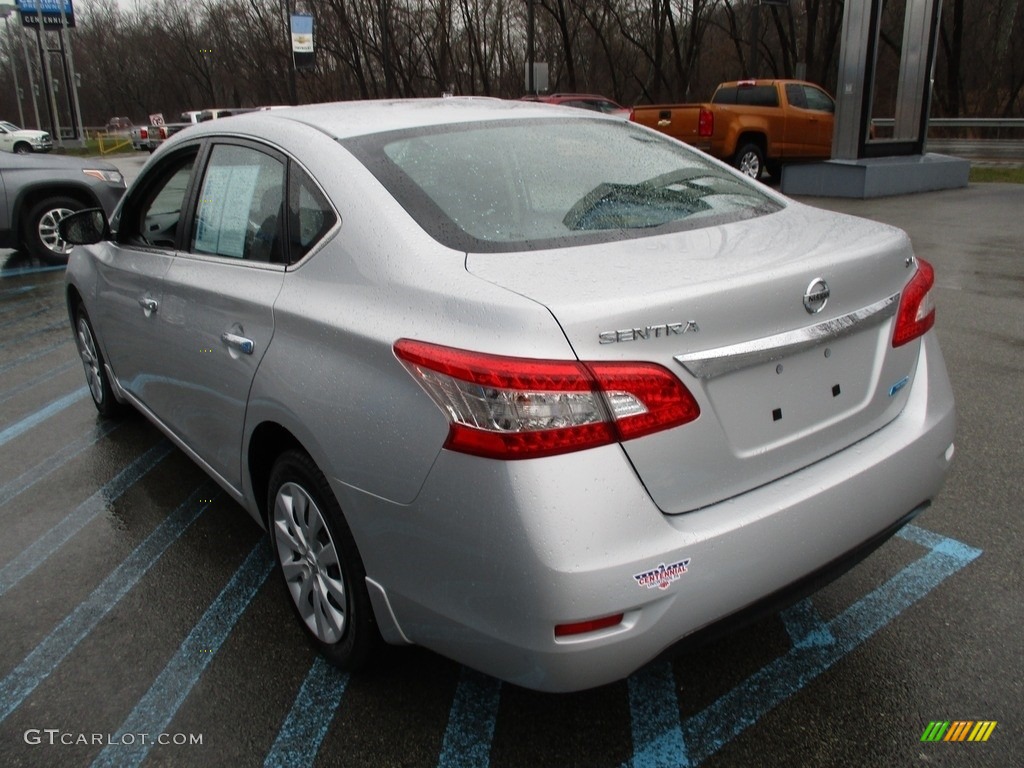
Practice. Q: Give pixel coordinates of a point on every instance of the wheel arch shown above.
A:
(32, 196)
(752, 137)
(268, 441)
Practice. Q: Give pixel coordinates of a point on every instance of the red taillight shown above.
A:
(521, 408)
(582, 627)
(917, 310)
(143, 133)
(705, 123)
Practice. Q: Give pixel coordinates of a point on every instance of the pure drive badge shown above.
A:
(662, 576)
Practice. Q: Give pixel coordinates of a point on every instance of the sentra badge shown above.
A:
(662, 576)
(648, 332)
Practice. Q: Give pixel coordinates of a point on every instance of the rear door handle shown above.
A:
(242, 344)
(149, 305)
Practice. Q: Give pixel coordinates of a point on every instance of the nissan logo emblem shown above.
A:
(816, 296)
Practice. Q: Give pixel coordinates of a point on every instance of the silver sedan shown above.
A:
(541, 390)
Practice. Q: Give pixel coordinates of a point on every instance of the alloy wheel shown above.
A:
(310, 562)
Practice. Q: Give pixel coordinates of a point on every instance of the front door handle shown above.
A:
(240, 343)
(149, 305)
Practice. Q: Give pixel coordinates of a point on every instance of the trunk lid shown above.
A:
(723, 308)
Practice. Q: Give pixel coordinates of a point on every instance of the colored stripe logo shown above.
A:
(959, 730)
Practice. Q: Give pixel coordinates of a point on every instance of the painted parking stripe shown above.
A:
(654, 715)
(34, 355)
(35, 381)
(470, 731)
(31, 270)
(20, 341)
(19, 428)
(706, 732)
(22, 317)
(161, 702)
(12, 488)
(804, 625)
(38, 665)
(299, 739)
(35, 554)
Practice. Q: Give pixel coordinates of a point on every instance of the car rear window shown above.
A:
(747, 95)
(521, 185)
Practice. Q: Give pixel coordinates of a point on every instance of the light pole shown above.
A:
(6, 9)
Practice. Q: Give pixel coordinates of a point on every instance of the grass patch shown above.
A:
(1007, 175)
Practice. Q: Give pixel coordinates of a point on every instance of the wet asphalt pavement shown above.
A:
(136, 608)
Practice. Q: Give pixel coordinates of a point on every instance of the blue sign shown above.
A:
(51, 9)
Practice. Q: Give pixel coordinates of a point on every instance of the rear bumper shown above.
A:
(492, 555)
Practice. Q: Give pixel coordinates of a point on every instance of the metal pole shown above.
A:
(531, 86)
(69, 77)
(14, 70)
(31, 81)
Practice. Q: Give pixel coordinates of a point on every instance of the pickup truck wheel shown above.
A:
(749, 160)
(21, 148)
(40, 235)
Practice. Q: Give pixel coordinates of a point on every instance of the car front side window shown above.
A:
(152, 216)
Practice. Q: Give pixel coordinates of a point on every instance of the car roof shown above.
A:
(346, 119)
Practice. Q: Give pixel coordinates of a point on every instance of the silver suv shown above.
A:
(37, 191)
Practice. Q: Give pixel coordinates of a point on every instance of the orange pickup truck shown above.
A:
(753, 124)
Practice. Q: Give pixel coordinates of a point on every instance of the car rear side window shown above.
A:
(519, 185)
(241, 203)
(310, 216)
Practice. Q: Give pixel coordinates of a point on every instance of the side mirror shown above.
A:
(84, 227)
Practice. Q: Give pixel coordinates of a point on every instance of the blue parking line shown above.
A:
(706, 732)
(804, 625)
(161, 702)
(21, 289)
(22, 317)
(470, 731)
(34, 355)
(35, 381)
(13, 488)
(35, 554)
(31, 270)
(20, 341)
(654, 716)
(38, 665)
(299, 739)
(19, 428)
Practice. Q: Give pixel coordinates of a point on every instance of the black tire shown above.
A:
(21, 148)
(328, 593)
(96, 377)
(40, 236)
(749, 159)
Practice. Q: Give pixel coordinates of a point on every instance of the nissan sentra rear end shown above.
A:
(751, 395)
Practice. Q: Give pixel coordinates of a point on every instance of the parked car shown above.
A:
(23, 141)
(590, 101)
(541, 390)
(754, 124)
(119, 125)
(37, 192)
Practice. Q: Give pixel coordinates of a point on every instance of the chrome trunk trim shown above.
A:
(715, 362)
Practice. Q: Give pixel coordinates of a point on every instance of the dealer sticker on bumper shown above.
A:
(662, 576)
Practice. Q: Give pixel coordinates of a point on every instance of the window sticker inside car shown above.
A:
(662, 576)
(223, 209)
